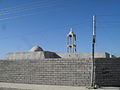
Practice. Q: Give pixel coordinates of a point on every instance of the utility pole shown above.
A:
(93, 52)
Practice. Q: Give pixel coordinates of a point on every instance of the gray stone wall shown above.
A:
(85, 55)
(31, 55)
(25, 55)
(67, 72)
(108, 72)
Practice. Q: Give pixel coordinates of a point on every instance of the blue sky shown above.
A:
(26, 23)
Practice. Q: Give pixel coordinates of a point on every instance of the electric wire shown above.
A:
(29, 14)
(21, 5)
(15, 10)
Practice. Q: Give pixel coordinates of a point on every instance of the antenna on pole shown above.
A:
(94, 29)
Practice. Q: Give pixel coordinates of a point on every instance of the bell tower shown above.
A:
(71, 42)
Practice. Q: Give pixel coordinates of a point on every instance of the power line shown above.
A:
(15, 10)
(111, 15)
(17, 16)
(4, 9)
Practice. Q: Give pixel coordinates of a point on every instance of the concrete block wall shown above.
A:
(67, 72)
(84, 55)
(108, 71)
(31, 55)
(25, 55)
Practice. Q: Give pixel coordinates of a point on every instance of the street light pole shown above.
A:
(93, 52)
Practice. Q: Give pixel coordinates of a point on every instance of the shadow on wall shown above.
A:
(48, 54)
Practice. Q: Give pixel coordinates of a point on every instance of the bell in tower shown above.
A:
(71, 42)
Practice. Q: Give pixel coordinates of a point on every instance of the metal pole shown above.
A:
(93, 50)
